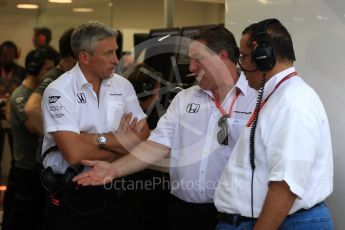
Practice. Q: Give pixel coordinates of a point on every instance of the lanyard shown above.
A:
(8, 76)
(251, 119)
(231, 106)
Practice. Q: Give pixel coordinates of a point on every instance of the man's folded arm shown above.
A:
(74, 148)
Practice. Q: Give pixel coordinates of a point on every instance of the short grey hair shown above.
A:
(85, 36)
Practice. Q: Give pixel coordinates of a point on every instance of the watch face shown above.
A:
(102, 140)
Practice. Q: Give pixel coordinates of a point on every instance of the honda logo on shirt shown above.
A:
(192, 108)
(81, 98)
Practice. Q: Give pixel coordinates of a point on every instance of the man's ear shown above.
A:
(83, 57)
(254, 44)
(223, 54)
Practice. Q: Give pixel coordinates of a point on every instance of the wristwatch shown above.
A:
(102, 140)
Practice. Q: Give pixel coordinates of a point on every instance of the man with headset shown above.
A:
(282, 168)
(23, 201)
(67, 61)
(82, 111)
(199, 131)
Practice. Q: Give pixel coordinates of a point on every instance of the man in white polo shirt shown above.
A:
(82, 111)
(281, 170)
(199, 131)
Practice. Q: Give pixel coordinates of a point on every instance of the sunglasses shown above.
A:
(222, 135)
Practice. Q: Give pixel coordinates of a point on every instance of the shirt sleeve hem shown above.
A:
(294, 188)
(159, 140)
(61, 128)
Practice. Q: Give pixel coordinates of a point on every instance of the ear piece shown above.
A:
(147, 87)
(35, 60)
(41, 39)
(263, 53)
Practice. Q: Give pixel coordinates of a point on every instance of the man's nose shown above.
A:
(193, 65)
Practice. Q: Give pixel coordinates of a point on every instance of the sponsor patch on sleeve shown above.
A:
(53, 99)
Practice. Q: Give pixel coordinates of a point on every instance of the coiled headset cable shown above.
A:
(252, 138)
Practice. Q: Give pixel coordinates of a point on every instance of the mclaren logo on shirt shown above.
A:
(81, 98)
(192, 108)
(53, 99)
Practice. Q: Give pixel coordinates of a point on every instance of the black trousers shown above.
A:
(152, 198)
(23, 200)
(90, 208)
(186, 216)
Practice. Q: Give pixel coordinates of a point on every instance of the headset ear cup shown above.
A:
(147, 87)
(264, 56)
(35, 61)
(48, 179)
(41, 39)
(66, 182)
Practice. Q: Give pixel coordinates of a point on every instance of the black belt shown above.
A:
(236, 219)
(202, 207)
(233, 219)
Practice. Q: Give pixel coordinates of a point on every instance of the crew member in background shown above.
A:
(67, 61)
(11, 76)
(24, 199)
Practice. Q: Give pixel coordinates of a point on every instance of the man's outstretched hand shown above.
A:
(101, 173)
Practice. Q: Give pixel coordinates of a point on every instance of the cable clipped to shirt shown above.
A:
(253, 121)
(252, 138)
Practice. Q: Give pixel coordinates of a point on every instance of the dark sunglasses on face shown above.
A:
(222, 135)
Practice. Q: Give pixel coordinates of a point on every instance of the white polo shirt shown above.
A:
(190, 128)
(292, 143)
(70, 104)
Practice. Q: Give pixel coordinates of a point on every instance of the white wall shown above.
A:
(130, 16)
(318, 31)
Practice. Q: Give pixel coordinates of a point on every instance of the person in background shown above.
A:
(198, 131)
(82, 113)
(282, 167)
(145, 81)
(23, 201)
(42, 37)
(67, 61)
(151, 202)
(11, 76)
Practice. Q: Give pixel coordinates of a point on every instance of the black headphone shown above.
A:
(35, 60)
(53, 182)
(264, 54)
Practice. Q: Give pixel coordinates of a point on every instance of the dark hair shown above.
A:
(278, 36)
(36, 58)
(218, 38)
(10, 45)
(65, 47)
(46, 32)
(143, 79)
(119, 41)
